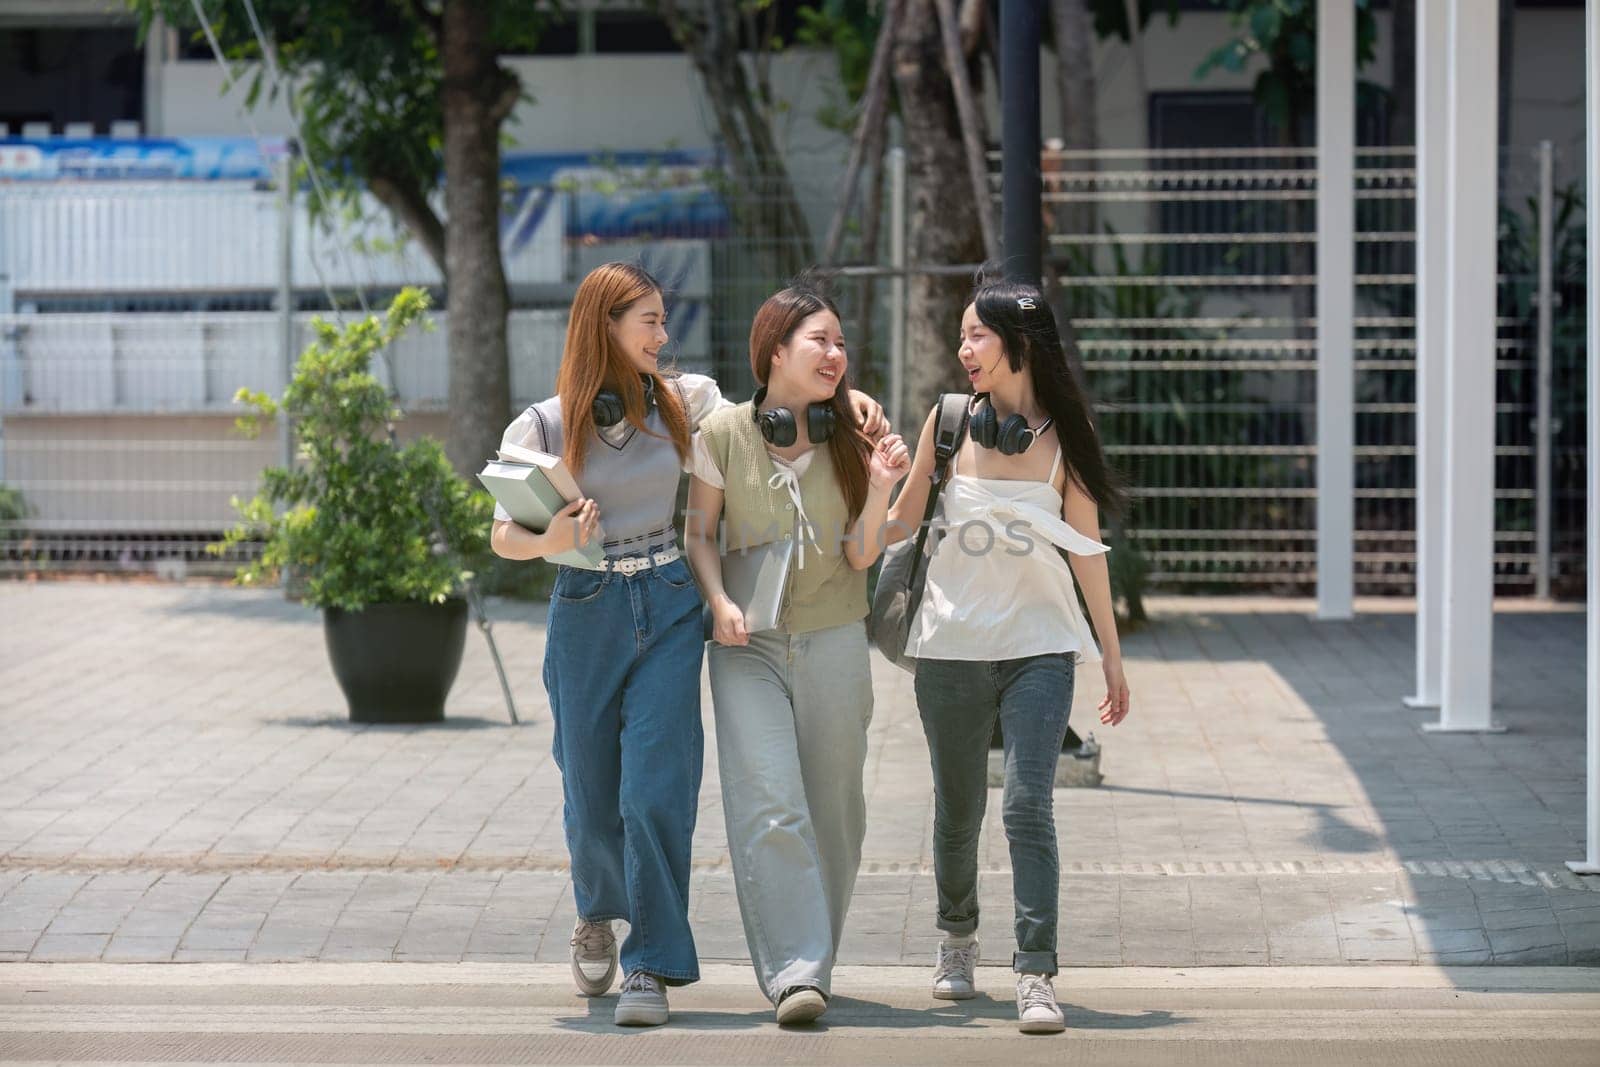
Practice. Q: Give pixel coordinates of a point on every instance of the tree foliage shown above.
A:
(1284, 34)
(366, 82)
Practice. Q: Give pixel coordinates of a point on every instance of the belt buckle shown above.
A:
(628, 566)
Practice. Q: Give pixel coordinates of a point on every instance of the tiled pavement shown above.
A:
(178, 782)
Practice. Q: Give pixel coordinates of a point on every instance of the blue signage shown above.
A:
(606, 196)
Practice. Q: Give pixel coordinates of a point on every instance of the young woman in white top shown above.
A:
(999, 629)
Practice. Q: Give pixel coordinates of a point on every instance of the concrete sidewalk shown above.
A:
(520, 1013)
(178, 783)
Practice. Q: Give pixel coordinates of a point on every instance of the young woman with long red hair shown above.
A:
(623, 645)
(792, 703)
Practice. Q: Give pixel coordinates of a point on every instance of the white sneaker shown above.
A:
(801, 1004)
(643, 1001)
(952, 975)
(594, 957)
(1037, 1010)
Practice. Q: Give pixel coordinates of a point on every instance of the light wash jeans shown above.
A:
(792, 714)
(622, 667)
(958, 701)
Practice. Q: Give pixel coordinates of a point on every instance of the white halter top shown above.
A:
(997, 589)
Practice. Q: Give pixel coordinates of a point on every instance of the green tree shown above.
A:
(403, 97)
(1284, 34)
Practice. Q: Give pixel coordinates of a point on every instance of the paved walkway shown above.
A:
(178, 782)
(519, 1013)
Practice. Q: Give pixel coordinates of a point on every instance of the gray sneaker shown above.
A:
(594, 957)
(952, 975)
(1037, 1010)
(643, 1001)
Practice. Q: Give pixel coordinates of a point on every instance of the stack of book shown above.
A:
(533, 486)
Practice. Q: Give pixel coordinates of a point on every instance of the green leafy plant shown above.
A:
(1284, 34)
(13, 509)
(358, 520)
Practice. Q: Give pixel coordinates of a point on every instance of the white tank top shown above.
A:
(989, 596)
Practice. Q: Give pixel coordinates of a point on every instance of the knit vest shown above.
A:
(826, 591)
(635, 483)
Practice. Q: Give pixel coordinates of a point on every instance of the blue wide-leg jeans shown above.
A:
(622, 668)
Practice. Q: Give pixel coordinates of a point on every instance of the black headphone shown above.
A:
(1011, 437)
(608, 409)
(778, 425)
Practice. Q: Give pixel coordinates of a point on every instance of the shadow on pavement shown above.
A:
(1474, 828)
(452, 723)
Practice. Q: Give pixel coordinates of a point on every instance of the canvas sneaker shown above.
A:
(594, 957)
(801, 1004)
(1037, 1010)
(643, 1001)
(952, 975)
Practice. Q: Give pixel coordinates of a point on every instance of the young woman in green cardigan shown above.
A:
(792, 704)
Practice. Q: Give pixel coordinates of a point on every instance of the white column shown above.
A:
(1590, 864)
(1336, 128)
(1466, 694)
(1433, 147)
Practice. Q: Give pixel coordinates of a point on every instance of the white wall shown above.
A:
(584, 103)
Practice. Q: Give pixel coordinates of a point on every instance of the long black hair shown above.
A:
(1018, 313)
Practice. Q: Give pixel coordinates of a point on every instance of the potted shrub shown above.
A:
(372, 533)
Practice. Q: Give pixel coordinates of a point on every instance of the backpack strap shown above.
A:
(948, 433)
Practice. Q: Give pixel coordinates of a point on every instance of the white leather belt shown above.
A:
(631, 565)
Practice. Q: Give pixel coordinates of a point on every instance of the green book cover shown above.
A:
(533, 486)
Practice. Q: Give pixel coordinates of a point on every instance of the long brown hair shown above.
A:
(774, 326)
(591, 361)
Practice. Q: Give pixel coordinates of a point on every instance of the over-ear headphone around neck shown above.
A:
(778, 426)
(1012, 437)
(608, 409)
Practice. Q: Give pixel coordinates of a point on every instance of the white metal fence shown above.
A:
(104, 239)
(1189, 278)
(129, 315)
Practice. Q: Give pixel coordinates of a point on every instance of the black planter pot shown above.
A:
(396, 662)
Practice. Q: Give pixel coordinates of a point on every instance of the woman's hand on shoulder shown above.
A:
(869, 413)
(891, 461)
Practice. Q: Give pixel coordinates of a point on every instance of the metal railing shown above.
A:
(1189, 279)
(130, 315)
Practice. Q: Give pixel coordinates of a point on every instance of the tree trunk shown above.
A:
(762, 194)
(409, 206)
(970, 126)
(871, 234)
(943, 224)
(477, 96)
(1074, 35)
(869, 131)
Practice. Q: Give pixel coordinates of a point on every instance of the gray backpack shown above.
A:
(905, 565)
